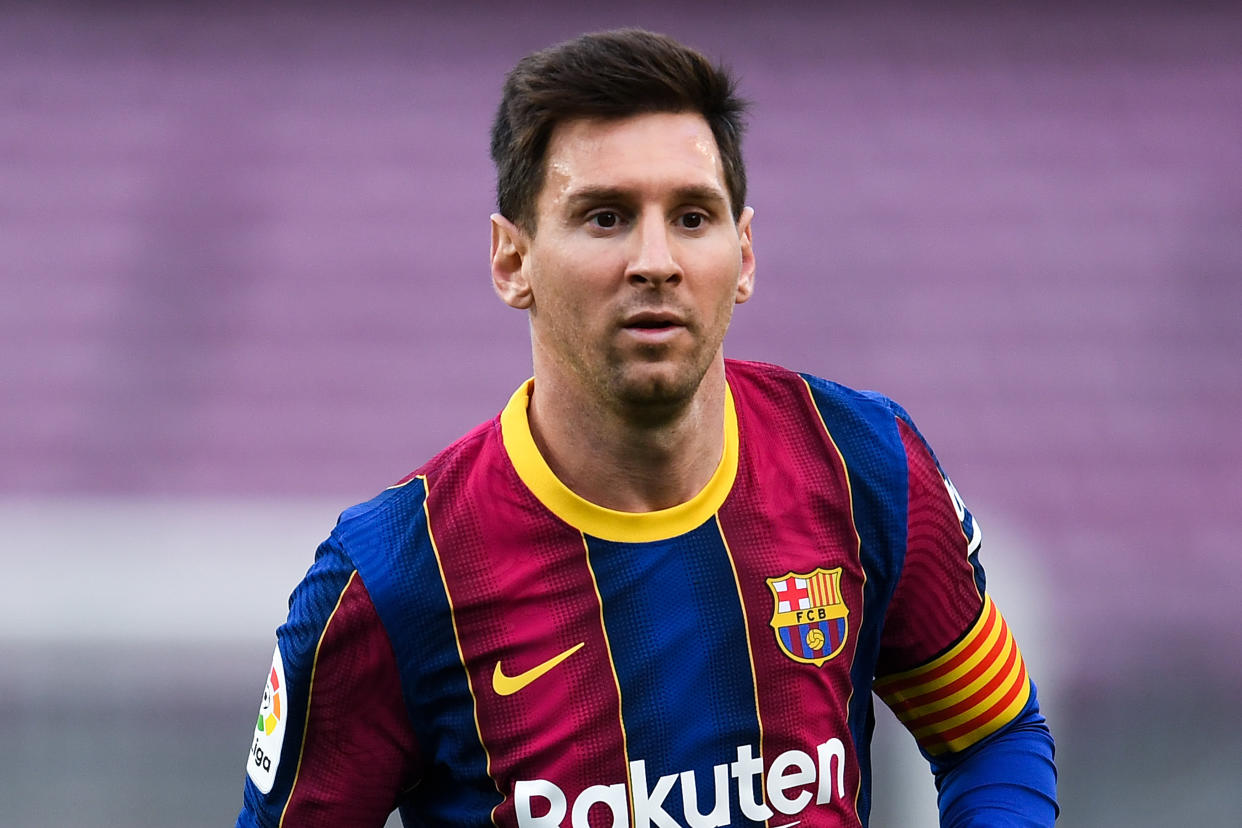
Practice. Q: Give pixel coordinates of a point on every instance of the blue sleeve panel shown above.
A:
(1006, 781)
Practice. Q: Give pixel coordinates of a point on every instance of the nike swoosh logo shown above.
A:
(508, 685)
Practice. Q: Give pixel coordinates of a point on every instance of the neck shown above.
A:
(628, 459)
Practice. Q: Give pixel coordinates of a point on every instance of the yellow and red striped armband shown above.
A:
(971, 691)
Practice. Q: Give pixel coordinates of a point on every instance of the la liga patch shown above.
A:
(269, 732)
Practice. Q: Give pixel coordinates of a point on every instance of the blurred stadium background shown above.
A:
(243, 285)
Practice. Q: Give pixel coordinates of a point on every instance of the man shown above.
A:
(659, 588)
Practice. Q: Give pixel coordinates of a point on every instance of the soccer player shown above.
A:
(660, 587)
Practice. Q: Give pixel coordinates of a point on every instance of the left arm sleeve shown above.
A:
(950, 668)
(1007, 780)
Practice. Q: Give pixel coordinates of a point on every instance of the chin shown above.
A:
(664, 391)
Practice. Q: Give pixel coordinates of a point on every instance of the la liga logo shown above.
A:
(269, 710)
(270, 728)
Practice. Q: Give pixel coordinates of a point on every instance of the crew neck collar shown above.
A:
(599, 521)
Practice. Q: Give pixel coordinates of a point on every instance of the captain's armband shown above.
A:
(964, 695)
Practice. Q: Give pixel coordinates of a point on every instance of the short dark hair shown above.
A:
(612, 74)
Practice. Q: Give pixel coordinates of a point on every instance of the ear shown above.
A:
(509, 246)
(746, 278)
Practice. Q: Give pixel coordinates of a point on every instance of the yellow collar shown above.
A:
(609, 524)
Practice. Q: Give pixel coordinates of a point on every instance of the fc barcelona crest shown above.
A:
(809, 615)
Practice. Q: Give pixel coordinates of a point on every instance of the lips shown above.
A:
(653, 328)
(653, 320)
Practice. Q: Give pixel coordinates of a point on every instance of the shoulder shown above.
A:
(762, 375)
(853, 408)
(854, 419)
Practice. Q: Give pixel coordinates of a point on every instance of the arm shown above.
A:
(1006, 780)
(333, 744)
(951, 670)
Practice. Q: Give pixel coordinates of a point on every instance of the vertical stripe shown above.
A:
(745, 630)
(616, 682)
(354, 709)
(802, 705)
(863, 428)
(312, 604)
(310, 694)
(859, 704)
(523, 594)
(392, 547)
(448, 593)
(672, 611)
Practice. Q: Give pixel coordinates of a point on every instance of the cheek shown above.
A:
(562, 309)
(573, 286)
(727, 270)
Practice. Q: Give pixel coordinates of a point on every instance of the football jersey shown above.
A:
(479, 645)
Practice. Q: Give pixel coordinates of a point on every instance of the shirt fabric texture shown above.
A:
(477, 645)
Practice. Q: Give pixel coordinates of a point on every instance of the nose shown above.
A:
(653, 260)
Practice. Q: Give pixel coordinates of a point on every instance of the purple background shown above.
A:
(243, 252)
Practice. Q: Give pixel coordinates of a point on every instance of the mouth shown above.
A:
(653, 321)
(653, 328)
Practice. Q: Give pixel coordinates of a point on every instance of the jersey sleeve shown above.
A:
(949, 666)
(950, 669)
(332, 744)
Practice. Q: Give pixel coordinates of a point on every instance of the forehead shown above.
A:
(643, 154)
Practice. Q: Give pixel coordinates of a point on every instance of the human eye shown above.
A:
(604, 219)
(692, 220)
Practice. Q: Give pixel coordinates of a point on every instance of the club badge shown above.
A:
(809, 616)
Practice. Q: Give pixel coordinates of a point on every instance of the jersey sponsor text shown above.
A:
(791, 782)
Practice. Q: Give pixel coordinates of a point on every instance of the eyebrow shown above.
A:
(694, 193)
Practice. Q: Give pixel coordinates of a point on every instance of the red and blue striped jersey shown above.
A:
(478, 645)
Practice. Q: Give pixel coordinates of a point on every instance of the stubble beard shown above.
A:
(653, 387)
(649, 386)
(653, 396)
